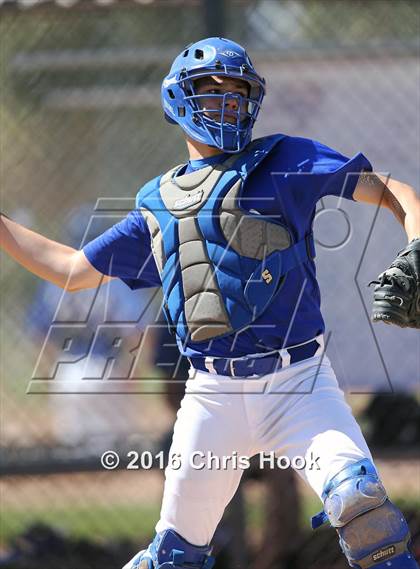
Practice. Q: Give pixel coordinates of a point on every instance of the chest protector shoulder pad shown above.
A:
(220, 265)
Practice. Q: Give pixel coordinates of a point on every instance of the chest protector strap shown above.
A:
(220, 265)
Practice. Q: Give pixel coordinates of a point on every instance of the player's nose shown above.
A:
(231, 102)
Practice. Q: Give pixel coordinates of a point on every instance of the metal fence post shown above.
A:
(214, 17)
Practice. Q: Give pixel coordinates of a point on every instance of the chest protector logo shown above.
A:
(220, 265)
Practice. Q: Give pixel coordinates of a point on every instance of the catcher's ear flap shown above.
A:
(168, 118)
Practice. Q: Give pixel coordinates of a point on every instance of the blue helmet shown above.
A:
(183, 106)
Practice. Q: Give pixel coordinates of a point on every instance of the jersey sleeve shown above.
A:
(333, 173)
(124, 251)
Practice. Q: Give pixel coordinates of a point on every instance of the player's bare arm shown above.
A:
(398, 197)
(397, 290)
(64, 266)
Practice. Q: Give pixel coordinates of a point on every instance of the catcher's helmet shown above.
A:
(182, 105)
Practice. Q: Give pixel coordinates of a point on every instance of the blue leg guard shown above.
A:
(372, 531)
(170, 551)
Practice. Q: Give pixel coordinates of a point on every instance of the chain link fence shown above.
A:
(81, 130)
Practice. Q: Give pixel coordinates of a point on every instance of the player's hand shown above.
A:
(396, 297)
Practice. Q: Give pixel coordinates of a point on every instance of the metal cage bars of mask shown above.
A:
(185, 82)
(244, 120)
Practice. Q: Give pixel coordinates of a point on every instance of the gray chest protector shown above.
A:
(220, 265)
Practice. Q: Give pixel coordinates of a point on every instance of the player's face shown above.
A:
(218, 85)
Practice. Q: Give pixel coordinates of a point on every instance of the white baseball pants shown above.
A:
(299, 411)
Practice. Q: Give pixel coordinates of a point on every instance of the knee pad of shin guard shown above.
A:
(372, 530)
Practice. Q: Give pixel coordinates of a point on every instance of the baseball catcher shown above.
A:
(231, 244)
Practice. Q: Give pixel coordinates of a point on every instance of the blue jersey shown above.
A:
(286, 185)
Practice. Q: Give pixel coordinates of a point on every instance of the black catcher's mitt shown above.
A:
(396, 297)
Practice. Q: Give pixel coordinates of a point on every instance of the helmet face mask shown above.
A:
(206, 117)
